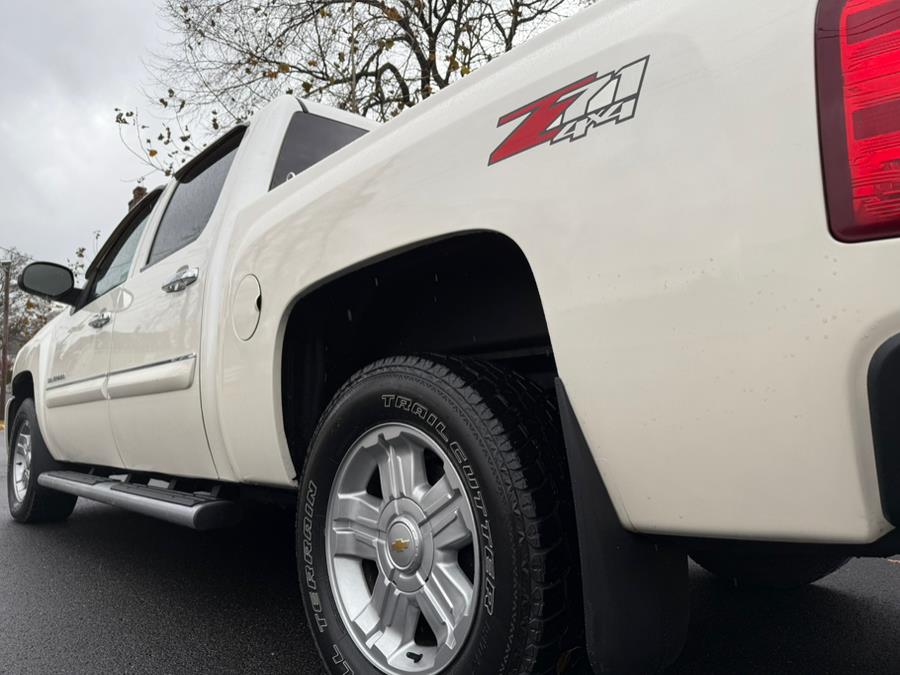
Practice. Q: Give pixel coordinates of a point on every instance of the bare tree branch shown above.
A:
(374, 57)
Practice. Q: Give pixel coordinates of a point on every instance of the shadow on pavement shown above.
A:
(844, 624)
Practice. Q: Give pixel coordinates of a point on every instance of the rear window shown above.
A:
(310, 139)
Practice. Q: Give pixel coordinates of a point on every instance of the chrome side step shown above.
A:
(200, 511)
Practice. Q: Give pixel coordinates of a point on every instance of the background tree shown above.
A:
(27, 313)
(372, 57)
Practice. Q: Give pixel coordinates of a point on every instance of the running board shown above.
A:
(199, 511)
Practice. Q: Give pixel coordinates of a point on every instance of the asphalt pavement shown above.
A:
(113, 592)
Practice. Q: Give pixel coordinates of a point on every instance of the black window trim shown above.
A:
(305, 112)
(139, 211)
(212, 153)
(215, 151)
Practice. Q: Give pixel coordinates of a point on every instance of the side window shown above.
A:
(114, 271)
(190, 207)
(310, 139)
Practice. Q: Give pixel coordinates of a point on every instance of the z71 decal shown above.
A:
(568, 114)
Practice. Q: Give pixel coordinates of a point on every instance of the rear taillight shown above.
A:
(858, 63)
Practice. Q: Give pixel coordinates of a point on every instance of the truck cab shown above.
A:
(122, 384)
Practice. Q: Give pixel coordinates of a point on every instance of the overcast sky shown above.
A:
(65, 66)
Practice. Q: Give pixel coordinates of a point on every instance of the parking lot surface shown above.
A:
(113, 592)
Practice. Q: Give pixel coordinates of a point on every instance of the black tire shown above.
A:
(515, 466)
(39, 504)
(773, 571)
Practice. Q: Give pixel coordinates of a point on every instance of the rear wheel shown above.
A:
(431, 524)
(28, 458)
(768, 571)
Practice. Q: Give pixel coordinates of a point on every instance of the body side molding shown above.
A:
(85, 390)
(154, 378)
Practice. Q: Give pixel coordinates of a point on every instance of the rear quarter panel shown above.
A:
(712, 336)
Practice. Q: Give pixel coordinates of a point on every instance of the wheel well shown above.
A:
(22, 388)
(468, 295)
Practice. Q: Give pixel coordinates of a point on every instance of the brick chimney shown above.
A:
(137, 195)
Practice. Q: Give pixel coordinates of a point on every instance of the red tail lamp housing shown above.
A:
(858, 64)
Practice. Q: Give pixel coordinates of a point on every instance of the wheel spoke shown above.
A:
(401, 467)
(439, 496)
(359, 507)
(443, 505)
(370, 618)
(354, 541)
(389, 620)
(453, 535)
(355, 526)
(444, 600)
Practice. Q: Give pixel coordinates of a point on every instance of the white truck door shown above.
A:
(75, 404)
(154, 384)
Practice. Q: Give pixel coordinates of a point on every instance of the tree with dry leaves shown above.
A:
(27, 313)
(372, 57)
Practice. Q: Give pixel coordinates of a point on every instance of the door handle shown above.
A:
(100, 320)
(183, 278)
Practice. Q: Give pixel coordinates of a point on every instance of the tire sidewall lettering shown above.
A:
(309, 576)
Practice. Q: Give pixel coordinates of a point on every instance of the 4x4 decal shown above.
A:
(569, 113)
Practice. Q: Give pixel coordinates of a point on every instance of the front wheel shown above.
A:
(28, 458)
(430, 535)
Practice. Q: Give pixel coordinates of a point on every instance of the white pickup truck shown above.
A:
(623, 296)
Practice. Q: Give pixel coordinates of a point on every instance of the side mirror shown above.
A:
(49, 280)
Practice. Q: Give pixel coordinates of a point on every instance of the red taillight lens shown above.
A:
(858, 62)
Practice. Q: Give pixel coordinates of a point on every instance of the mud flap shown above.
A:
(636, 603)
